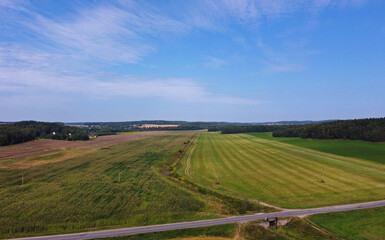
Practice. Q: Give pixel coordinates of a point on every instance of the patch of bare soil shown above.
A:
(39, 147)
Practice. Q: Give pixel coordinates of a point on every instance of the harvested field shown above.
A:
(86, 192)
(281, 174)
(49, 149)
(373, 151)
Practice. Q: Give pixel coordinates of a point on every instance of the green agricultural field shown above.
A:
(281, 174)
(348, 148)
(354, 225)
(218, 232)
(84, 193)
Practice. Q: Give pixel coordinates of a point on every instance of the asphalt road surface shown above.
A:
(204, 223)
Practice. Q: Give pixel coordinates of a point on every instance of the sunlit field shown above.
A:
(86, 193)
(281, 174)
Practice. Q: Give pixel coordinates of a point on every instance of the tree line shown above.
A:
(371, 129)
(110, 128)
(25, 131)
(229, 129)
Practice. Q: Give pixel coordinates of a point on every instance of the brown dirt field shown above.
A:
(44, 147)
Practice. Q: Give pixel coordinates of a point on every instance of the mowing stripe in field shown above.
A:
(300, 167)
(283, 174)
(358, 164)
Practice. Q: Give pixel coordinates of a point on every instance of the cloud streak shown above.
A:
(278, 61)
(214, 62)
(62, 52)
(184, 90)
(122, 32)
(106, 32)
(24, 70)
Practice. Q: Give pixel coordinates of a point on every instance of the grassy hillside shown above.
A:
(282, 174)
(296, 229)
(349, 148)
(84, 192)
(219, 232)
(354, 225)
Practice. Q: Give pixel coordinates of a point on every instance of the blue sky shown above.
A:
(245, 61)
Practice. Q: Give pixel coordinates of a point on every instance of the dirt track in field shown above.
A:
(39, 147)
(187, 170)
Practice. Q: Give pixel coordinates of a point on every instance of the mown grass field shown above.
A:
(368, 224)
(282, 174)
(349, 148)
(83, 193)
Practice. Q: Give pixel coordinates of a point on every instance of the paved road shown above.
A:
(203, 223)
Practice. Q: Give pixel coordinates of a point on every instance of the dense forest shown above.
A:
(228, 128)
(372, 129)
(30, 130)
(253, 128)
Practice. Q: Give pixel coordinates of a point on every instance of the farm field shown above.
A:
(46, 151)
(219, 232)
(372, 151)
(281, 174)
(84, 193)
(354, 225)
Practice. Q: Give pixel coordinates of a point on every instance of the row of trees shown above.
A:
(372, 129)
(29, 130)
(109, 128)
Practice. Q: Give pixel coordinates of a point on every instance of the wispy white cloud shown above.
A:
(185, 90)
(13, 4)
(214, 62)
(24, 70)
(284, 67)
(217, 15)
(278, 61)
(107, 32)
(123, 32)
